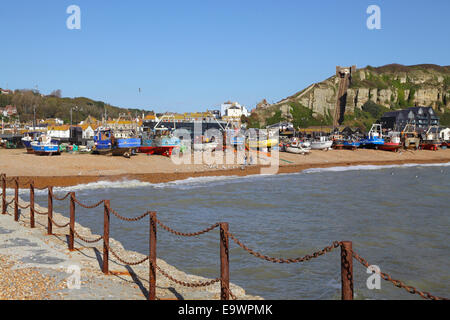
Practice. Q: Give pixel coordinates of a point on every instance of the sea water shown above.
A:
(397, 217)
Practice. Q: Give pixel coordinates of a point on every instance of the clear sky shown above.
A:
(192, 55)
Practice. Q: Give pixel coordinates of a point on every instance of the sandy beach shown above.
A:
(72, 169)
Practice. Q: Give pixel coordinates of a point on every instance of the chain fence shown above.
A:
(187, 234)
(129, 219)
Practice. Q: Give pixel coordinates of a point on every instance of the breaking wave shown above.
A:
(374, 167)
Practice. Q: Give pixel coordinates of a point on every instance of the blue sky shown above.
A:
(192, 55)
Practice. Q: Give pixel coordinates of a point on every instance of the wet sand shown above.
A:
(72, 169)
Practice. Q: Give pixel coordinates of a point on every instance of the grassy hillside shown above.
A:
(53, 106)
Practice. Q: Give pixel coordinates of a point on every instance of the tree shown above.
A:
(56, 93)
(375, 110)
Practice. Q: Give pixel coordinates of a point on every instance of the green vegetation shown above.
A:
(303, 117)
(276, 118)
(370, 112)
(53, 106)
(444, 118)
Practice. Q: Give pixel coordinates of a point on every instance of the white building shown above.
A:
(233, 109)
(62, 132)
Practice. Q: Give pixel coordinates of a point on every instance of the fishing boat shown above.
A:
(105, 142)
(392, 142)
(351, 144)
(338, 141)
(431, 140)
(264, 140)
(298, 147)
(374, 138)
(409, 137)
(28, 139)
(164, 142)
(323, 143)
(262, 144)
(44, 146)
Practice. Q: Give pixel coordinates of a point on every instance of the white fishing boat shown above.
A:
(298, 150)
(322, 144)
(298, 147)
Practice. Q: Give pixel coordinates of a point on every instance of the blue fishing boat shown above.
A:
(351, 144)
(374, 138)
(105, 142)
(28, 138)
(44, 146)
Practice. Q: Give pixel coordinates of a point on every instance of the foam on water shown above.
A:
(374, 167)
(209, 181)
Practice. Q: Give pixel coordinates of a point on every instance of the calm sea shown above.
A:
(398, 218)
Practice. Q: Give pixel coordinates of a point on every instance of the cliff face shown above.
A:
(393, 86)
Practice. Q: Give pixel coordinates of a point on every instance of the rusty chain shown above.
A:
(25, 207)
(187, 234)
(316, 254)
(188, 284)
(60, 199)
(398, 283)
(230, 293)
(58, 225)
(42, 188)
(86, 206)
(124, 261)
(41, 213)
(84, 239)
(129, 219)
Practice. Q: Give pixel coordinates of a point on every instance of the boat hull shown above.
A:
(351, 145)
(43, 150)
(430, 146)
(388, 146)
(297, 150)
(163, 150)
(322, 145)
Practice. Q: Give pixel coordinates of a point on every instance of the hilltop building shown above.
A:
(234, 110)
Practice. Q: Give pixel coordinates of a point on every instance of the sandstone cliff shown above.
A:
(393, 86)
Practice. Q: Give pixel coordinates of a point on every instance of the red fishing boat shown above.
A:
(392, 142)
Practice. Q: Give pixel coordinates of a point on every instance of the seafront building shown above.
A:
(421, 117)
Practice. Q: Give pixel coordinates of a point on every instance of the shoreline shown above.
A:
(159, 177)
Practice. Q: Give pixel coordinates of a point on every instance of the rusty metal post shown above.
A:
(32, 205)
(50, 211)
(152, 258)
(16, 199)
(106, 237)
(347, 270)
(72, 221)
(3, 193)
(224, 263)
